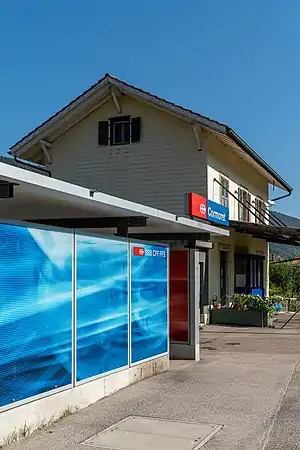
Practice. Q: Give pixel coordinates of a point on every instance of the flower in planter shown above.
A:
(216, 302)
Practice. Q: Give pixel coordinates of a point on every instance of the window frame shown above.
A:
(123, 141)
(252, 275)
(260, 211)
(244, 207)
(224, 191)
(112, 121)
(107, 131)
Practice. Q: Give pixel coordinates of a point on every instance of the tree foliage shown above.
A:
(284, 279)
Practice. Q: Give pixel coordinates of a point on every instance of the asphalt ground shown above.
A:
(248, 381)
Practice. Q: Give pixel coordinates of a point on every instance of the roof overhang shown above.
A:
(40, 197)
(279, 235)
(98, 94)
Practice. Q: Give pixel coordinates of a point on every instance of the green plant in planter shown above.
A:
(250, 302)
(239, 301)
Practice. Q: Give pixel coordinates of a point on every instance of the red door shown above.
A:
(179, 296)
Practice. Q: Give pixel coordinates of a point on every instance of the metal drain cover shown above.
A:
(144, 433)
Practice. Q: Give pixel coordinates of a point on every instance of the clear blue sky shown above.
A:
(237, 61)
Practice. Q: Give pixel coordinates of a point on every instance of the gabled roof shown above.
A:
(98, 93)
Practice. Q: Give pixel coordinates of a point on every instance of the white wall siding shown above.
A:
(222, 160)
(157, 171)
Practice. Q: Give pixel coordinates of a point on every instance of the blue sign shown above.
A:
(35, 312)
(149, 301)
(102, 305)
(217, 213)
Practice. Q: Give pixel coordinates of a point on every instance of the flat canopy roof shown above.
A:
(38, 197)
(279, 235)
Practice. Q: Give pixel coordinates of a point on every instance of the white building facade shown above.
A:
(121, 140)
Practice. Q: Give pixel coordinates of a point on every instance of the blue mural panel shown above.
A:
(102, 305)
(149, 301)
(35, 311)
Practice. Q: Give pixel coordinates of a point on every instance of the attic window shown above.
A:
(121, 130)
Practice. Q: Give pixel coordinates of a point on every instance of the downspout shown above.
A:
(32, 166)
(281, 197)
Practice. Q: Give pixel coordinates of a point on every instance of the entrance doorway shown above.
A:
(223, 277)
(249, 274)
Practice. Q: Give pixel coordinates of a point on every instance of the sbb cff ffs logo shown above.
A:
(150, 251)
(138, 251)
(197, 206)
(202, 209)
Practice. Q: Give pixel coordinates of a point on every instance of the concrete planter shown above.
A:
(228, 316)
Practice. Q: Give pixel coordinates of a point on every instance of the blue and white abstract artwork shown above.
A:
(35, 312)
(102, 305)
(149, 301)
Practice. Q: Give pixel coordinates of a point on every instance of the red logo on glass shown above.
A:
(197, 205)
(138, 251)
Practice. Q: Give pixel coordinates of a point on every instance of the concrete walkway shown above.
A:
(248, 381)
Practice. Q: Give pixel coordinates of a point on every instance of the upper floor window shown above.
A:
(120, 130)
(224, 200)
(244, 205)
(260, 211)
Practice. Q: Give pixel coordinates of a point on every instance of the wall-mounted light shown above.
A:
(6, 189)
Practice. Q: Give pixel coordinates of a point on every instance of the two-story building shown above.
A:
(122, 140)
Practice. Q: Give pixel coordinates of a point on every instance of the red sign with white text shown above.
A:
(197, 205)
(138, 251)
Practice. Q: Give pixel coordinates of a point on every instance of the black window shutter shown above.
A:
(135, 129)
(103, 132)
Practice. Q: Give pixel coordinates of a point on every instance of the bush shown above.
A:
(284, 279)
(293, 304)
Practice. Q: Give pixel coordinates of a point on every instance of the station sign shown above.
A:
(197, 205)
(200, 207)
(217, 213)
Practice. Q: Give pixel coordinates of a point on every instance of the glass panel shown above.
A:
(126, 132)
(260, 274)
(244, 205)
(117, 133)
(247, 204)
(240, 280)
(240, 272)
(260, 211)
(149, 301)
(121, 133)
(35, 312)
(254, 273)
(240, 265)
(102, 313)
(241, 207)
(224, 192)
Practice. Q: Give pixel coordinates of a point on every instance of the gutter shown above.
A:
(32, 166)
(231, 133)
(281, 196)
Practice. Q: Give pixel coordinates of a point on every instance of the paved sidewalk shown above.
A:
(246, 381)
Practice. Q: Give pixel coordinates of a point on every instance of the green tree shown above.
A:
(285, 279)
